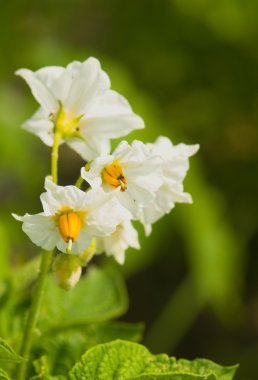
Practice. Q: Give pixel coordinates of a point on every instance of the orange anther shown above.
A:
(69, 225)
(113, 175)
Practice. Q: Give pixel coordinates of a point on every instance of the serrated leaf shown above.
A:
(99, 296)
(202, 365)
(121, 360)
(7, 353)
(115, 360)
(4, 375)
(64, 348)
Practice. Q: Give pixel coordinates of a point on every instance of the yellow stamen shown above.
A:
(113, 175)
(69, 225)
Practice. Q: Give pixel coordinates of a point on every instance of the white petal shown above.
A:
(83, 241)
(49, 74)
(103, 220)
(41, 229)
(58, 197)
(58, 79)
(123, 237)
(147, 229)
(90, 148)
(110, 116)
(131, 235)
(40, 125)
(164, 147)
(88, 82)
(120, 256)
(152, 213)
(139, 195)
(127, 201)
(173, 167)
(39, 90)
(137, 156)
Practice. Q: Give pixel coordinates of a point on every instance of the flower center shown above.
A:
(113, 175)
(66, 123)
(69, 225)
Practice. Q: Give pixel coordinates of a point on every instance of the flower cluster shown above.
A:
(134, 182)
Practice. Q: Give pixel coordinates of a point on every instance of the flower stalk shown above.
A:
(54, 157)
(46, 259)
(79, 182)
(34, 312)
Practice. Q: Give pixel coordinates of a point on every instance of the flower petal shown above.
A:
(41, 229)
(110, 116)
(40, 91)
(40, 125)
(103, 220)
(89, 80)
(123, 237)
(49, 74)
(58, 197)
(90, 148)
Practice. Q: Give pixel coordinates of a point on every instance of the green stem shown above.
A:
(34, 312)
(46, 259)
(79, 182)
(54, 157)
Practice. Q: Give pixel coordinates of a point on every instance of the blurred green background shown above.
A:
(189, 68)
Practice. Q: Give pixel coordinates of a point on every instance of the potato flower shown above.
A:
(77, 102)
(131, 170)
(71, 218)
(174, 166)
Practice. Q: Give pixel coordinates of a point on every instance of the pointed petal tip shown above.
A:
(195, 148)
(22, 72)
(17, 217)
(141, 124)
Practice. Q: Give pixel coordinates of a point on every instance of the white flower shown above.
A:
(78, 102)
(132, 170)
(125, 236)
(175, 164)
(71, 218)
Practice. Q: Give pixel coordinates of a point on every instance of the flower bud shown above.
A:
(67, 270)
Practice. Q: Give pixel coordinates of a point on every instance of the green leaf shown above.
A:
(174, 376)
(7, 353)
(118, 360)
(64, 348)
(99, 296)
(121, 360)
(202, 365)
(4, 375)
